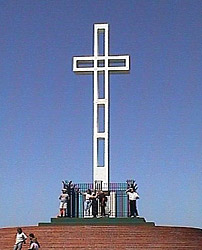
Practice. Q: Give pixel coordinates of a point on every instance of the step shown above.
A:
(96, 236)
(97, 221)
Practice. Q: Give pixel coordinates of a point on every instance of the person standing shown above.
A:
(63, 203)
(94, 204)
(88, 201)
(20, 239)
(102, 200)
(133, 196)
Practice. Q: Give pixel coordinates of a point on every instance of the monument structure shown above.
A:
(101, 64)
(109, 199)
(77, 236)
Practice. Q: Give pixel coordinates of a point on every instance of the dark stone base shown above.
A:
(97, 221)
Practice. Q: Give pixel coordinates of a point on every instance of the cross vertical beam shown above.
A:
(100, 65)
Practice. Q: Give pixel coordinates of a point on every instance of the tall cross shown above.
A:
(100, 65)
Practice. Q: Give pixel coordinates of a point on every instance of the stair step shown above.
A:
(107, 237)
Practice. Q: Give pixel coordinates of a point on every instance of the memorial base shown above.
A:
(109, 237)
(97, 221)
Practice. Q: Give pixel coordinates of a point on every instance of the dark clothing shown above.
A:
(94, 207)
(102, 210)
(35, 241)
(103, 200)
(133, 208)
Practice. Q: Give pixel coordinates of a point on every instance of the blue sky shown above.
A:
(46, 110)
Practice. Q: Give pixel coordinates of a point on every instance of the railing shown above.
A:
(115, 200)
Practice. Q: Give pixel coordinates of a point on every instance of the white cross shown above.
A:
(100, 64)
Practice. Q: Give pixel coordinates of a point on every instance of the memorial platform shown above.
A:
(96, 221)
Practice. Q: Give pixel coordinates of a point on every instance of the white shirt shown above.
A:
(63, 197)
(20, 238)
(133, 196)
(88, 196)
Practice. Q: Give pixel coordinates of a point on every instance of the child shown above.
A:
(34, 245)
(20, 239)
(33, 239)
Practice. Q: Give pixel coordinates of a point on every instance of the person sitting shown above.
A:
(34, 245)
(33, 239)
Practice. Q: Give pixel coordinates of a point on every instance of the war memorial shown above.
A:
(115, 228)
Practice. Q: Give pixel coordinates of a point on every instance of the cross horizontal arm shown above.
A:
(89, 64)
(83, 63)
